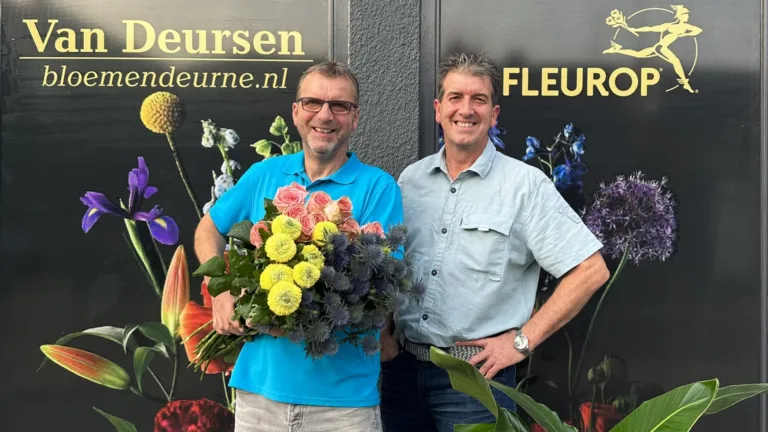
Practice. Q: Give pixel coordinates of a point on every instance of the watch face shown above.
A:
(521, 342)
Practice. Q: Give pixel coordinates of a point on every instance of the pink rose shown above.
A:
(289, 195)
(318, 216)
(333, 212)
(373, 228)
(318, 201)
(345, 204)
(256, 235)
(307, 221)
(295, 211)
(350, 227)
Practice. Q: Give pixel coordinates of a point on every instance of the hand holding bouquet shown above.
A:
(312, 272)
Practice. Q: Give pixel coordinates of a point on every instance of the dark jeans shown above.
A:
(417, 397)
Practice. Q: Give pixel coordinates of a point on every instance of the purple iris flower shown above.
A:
(569, 174)
(494, 133)
(162, 228)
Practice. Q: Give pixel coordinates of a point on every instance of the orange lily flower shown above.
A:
(192, 318)
(89, 366)
(175, 291)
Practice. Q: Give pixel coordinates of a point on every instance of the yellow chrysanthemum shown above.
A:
(305, 274)
(312, 255)
(284, 298)
(287, 225)
(162, 112)
(323, 228)
(280, 248)
(273, 274)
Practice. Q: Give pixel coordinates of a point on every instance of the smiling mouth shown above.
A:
(464, 125)
(323, 130)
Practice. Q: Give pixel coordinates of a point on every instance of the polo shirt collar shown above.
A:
(481, 166)
(344, 175)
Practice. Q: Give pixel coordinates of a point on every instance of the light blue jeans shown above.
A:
(255, 413)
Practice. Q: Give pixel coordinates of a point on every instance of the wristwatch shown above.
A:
(521, 343)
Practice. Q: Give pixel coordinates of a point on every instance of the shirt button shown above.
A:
(444, 230)
(434, 272)
(453, 190)
(424, 317)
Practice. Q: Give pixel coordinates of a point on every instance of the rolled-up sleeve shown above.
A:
(555, 234)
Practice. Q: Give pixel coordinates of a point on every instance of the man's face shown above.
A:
(466, 111)
(324, 133)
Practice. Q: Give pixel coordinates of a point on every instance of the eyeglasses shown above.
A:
(336, 106)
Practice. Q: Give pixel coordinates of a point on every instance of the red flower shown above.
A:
(606, 416)
(199, 415)
(192, 317)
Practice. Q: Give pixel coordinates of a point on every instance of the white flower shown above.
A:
(230, 137)
(208, 141)
(232, 165)
(223, 183)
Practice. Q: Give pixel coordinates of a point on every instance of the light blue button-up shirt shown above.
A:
(479, 242)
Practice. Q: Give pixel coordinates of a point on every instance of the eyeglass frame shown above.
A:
(343, 102)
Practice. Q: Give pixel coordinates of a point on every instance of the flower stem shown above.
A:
(160, 256)
(183, 174)
(594, 314)
(226, 389)
(133, 236)
(175, 374)
(159, 384)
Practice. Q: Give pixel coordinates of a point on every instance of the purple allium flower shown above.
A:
(637, 214)
(370, 344)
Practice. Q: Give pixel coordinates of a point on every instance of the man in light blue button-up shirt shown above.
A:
(481, 226)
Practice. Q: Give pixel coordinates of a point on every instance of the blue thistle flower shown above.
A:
(369, 239)
(327, 275)
(372, 256)
(318, 331)
(339, 316)
(356, 312)
(370, 344)
(332, 300)
(296, 336)
(329, 347)
(397, 236)
(353, 298)
(419, 288)
(341, 283)
(382, 286)
(360, 287)
(398, 300)
(635, 214)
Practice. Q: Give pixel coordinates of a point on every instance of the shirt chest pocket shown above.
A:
(483, 243)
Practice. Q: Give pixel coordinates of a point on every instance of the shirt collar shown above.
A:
(481, 166)
(344, 175)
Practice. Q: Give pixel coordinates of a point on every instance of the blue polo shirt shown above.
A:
(277, 368)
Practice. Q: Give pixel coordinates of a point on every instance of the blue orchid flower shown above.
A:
(578, 146)
(569, 174)
(568, 130)
(163, 228)
(533, 148)
(494, 133)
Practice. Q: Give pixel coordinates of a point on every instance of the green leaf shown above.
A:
(263, 147)
(153, 330)
(141, 253)
(215, 266)
(542, 415)
(465, 378)
(270, 211)
(141, 359)
(241, 231)
(479, 427)
(676, 410)
(218, 285)
(287, 148)
(119, 424)
(110, 333)
(731, 395)
(509, 422)
(295, 147)
(278, 127)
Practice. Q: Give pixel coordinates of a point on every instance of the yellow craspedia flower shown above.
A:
(318, 235)
(162, 112)
(287, 225)
(280, 248)
(305, 274)
(284, 298)
(312, 255)
(273, 274)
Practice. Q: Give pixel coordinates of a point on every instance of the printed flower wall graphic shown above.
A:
(182, 321)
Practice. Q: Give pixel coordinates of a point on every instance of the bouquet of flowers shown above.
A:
(310, 271)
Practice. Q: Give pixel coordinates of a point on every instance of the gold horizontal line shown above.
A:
(172, 59)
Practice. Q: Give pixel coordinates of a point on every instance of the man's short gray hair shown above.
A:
(476, 64)
(332, 69)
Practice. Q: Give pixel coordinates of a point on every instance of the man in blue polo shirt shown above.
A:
(278, 387)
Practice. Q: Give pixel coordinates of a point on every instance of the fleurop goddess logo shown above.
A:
(676, 46)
